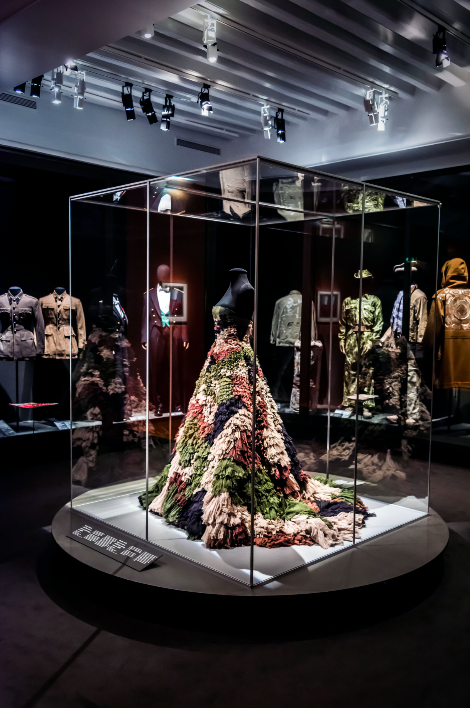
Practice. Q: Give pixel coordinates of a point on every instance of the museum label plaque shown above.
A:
(115, 544)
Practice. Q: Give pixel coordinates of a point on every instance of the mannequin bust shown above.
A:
(240, 296)
(14, 290)
(59, 291)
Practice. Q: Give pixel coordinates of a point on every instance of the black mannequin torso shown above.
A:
(14, 290)
(59, 291)
(240, 295)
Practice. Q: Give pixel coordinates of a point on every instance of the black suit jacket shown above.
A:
(179, 330)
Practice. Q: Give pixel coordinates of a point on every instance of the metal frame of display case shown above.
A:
(91, 197)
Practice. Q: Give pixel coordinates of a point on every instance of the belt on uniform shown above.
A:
(357, 328)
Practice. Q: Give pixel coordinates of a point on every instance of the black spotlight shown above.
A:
(168, 111)
(204, 100)
(21, 88)
(439, 47)
(127, 102)
(36, 86)
(147, 108)
(280, 124)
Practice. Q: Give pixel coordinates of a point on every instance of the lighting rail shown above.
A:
(344, 73)
(199, 79)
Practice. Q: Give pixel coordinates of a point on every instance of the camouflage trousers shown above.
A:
(366, 382)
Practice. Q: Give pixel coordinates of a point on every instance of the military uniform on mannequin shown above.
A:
(285, 331)
(165, 339)
(417, 325)
(64, 323)
(65, 331)
(21, 326)
(360, 327)
(449, 327)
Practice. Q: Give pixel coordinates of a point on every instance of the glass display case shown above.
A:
(255, 390)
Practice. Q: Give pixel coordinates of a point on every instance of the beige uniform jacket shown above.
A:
(60, 328)
(418, 315)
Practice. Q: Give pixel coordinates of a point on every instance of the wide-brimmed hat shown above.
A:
(365, 274)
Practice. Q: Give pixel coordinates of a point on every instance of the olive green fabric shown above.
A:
(356, 345)
(353, 200)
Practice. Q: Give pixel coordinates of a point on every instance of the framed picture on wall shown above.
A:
(177, 301)
(327, 228)
(324, 311)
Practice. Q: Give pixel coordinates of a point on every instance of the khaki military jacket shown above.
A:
(285, 328)
(21, 327)
(418, 315)
(64, 325)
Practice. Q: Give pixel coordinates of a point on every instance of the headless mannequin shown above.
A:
(367, 286)
(59, 291)
(15, 290)
(240, 296)
(163, 276)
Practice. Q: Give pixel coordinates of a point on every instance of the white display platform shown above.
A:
(118, 506)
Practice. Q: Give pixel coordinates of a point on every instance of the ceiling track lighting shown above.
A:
(36, 86)
(79, 91)
(376, 104)
(57, 82)
(280, 125)
(267, 121)
(57, 95)
(127, 101)
(204, 100)
(147, 32)
(439, 48)
(21, 88)
(168, 111)
(70, 66)
(209, 39)
(147, 107)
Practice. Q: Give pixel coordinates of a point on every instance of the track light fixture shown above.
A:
(439, 47)
(168, 111)
(147, 32)
(36, 86)
(267, 121)
(204, 100)
(280, 125)
(57, 81)
(376, 104)
(80, 86)
(79, 91)
(146, 105)
(209, 39)
(70, 66)
(21, 88)
(127, 102)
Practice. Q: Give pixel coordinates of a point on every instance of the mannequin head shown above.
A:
(163, 274)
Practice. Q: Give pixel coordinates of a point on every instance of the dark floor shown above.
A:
(72, 638)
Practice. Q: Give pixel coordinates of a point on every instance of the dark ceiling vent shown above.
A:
(18, 100)
(197, 146)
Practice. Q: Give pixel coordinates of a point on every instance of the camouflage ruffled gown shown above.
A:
(206, 487)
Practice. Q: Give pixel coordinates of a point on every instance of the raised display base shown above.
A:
(381, 558)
